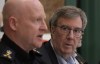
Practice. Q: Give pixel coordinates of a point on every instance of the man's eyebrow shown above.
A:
(71, 27)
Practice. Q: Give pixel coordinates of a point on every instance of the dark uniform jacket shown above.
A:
(49, 55)
(10, 53)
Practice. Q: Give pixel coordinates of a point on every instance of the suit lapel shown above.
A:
(51, 53)
(80, 59)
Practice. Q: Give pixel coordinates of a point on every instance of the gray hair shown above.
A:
(68, 12)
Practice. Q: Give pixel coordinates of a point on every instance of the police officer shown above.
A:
(23, 28)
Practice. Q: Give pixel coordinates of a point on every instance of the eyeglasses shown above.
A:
(76, 31)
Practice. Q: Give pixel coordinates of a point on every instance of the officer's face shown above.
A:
(31, 26)
(66, 35)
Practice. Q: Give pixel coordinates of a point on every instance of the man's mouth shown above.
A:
(40, 36)
(68, 45)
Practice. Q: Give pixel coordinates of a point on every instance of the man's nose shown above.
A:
(70, 34)
(43, 26)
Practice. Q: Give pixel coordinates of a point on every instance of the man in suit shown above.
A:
(24, 25)
(67, 25)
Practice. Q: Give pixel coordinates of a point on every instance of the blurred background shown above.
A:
(1, 22)
(90, 49)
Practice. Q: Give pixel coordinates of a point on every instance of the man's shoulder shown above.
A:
(80, 59)
(6, 54)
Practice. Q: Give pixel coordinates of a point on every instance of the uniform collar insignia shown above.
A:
(8, 54)
(36, 51)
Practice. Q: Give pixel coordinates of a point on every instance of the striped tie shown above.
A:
(70, 61)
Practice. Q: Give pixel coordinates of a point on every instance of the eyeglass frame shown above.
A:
(78, 32)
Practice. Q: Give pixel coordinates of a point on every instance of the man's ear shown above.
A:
(80, 42)
(13, 23)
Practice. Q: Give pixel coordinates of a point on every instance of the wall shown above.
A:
(50, 6)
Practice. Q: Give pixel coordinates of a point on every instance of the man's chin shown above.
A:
(39, 45)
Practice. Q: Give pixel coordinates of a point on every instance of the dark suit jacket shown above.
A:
(49, 56)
